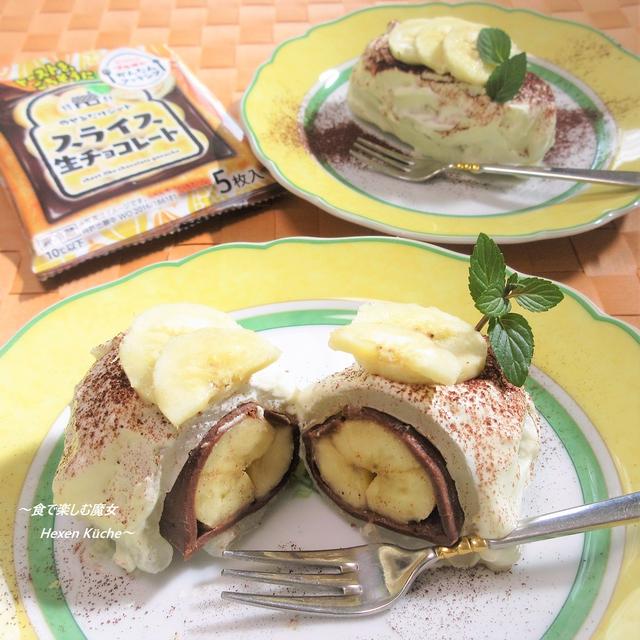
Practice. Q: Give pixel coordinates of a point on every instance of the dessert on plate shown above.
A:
(424, 436)
(171, 429)
(425, 82)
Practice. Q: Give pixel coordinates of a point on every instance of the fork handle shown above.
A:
(608, 513)
(626, 178)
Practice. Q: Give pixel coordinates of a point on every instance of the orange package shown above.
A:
(109, 148)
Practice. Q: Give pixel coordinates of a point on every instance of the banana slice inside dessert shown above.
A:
(197, 368)
(348, 481)
(240, 464)
(267, 471)
(380, 470)
(246, 463)
(413, 344)
(150, 332)
(370, 468)
(404, 496)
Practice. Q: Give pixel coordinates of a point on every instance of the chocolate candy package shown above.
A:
(109, 148)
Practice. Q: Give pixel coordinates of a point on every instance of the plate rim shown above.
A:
(603, 217)
(593, 309)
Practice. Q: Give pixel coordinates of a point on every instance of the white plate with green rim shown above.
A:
(295, 291)
(300, 127)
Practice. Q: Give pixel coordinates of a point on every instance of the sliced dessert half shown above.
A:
(425, 436)
(170, 429)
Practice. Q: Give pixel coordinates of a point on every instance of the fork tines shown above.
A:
(381, 158)
(327, 605)
(301, 572)
(334, 558)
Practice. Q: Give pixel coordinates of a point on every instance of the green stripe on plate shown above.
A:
(595, 550)
(42, 562)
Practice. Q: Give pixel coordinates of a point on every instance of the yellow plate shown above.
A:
(586, 69)
(592, 361)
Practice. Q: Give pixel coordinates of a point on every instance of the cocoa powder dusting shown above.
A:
(572, 125)
(104, 405)
(333, 144)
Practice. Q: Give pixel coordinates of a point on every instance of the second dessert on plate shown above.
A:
(425, 82)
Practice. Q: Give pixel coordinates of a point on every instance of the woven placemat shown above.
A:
(223, 41)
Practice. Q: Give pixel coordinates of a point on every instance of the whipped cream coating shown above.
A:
(487, 431)
(450, 120)
(121, 450)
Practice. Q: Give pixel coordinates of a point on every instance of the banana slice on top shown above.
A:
(150, 332)
(402, 40)
(444, 44)
(204, 366)
(413, 344)
(428, 41)
(461, 57)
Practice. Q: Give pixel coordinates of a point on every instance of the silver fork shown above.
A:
(362, 580)
(413, 168)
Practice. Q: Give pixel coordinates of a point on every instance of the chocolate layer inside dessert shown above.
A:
(444, 523)
(178, 523)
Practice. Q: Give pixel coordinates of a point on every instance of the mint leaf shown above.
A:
(507, 78)
(487, 270)
(494, 46)
(512, 343)
(537, 294)
(512, 279)
(492, 303)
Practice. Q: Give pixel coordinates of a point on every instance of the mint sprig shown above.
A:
(510, 335)
(487, 269)
(494, 48)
